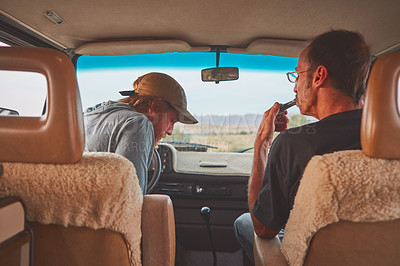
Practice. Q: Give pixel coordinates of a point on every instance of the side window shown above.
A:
(22, 93)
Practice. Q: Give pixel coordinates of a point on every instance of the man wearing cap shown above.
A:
(132, 126)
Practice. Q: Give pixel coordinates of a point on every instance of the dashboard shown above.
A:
(197, 179)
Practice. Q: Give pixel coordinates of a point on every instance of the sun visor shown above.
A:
(291, 48)
(137, 47)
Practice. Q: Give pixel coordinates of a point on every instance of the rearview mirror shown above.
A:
(220, 74)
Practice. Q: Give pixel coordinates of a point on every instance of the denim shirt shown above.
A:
(116, 127)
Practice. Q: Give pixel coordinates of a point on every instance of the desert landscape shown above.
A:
(226, 133)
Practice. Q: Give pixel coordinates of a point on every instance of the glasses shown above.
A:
(293, 76)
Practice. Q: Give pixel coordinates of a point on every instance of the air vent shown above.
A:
(170, 188)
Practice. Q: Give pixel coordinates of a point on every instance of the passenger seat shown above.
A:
(83, 208)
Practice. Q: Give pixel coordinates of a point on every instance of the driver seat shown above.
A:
(81, 208)
(347, 208)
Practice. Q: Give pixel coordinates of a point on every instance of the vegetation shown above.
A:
(226, 138)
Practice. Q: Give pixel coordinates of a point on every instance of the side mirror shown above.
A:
(219, 74)
(5, 111)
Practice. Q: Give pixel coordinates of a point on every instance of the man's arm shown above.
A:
(269, 124)
(136, 143)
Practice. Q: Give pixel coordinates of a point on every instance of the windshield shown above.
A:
(228, 113)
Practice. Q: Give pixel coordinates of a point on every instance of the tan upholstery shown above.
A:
(83, 209)
(268, 252)
(345, 185)
(349, 243)
(137, 47)
(347, 208)
(83, 246)
(78, 246)
(15, 239)
(58, 137)
(380, 127)
(100, 191)
(17, 252)
(158, 229)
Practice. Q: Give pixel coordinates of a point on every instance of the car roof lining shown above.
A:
(237, 24)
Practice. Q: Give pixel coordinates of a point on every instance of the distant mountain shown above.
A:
(230, 120)
(233, 124)
(220, 124)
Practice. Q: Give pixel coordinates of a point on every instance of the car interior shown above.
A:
(62, 205)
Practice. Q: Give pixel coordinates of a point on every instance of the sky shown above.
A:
(262, 80)
(23, 91)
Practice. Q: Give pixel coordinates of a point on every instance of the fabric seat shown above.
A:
(82, 208)
(347, 208)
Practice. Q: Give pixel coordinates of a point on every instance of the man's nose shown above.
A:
(295, 88)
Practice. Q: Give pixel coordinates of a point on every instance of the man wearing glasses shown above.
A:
(329, 83)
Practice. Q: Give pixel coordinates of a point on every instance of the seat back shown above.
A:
(355, 243)
(83, 208)
(347, 208)
(80, 208)
(81, 246)
(32, 139)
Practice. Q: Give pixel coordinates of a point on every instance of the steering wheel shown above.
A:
(153, 174)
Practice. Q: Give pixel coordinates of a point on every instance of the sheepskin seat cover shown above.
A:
(101, 191)
(345, 185)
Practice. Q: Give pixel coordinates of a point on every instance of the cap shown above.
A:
(167, 88)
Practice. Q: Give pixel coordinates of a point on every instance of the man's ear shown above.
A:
(320, 76)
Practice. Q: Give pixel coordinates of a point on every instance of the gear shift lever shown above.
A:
(206, 212)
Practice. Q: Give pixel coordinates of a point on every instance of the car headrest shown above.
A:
(380, 125)
(57, 136)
